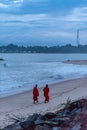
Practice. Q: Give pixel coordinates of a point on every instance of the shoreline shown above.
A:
(19, 91)
(76, 62)
(50, 84)
(21, 104)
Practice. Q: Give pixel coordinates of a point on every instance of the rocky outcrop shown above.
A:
(72, 117)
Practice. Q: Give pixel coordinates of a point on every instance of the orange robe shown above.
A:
(46, 93)
(35, 94)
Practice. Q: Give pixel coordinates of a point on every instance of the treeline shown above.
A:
(11, 48)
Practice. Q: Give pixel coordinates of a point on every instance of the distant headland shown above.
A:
(11, 48)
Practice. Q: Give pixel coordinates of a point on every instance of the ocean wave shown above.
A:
(56, 77)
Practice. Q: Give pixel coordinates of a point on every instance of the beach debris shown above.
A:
(72, 117)
(67, 104)
(30, 122)
(15, 118)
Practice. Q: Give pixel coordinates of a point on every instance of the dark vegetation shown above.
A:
(11, 48)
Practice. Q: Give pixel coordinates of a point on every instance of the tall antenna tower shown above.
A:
(78, 37)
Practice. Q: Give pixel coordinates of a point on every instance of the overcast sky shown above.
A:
(43, 22)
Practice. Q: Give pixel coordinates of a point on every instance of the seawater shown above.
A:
(20, 72)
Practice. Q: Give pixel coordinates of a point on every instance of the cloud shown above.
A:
(3, 6)
(42, 21)
(17, 1)
(50, 7)
(77, 14)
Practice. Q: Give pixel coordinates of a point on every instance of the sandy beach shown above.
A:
(22, 104)
(77, 62)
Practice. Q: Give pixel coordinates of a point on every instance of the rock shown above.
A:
(84, 127)
(38, 127)
(46, 127)
(51, 123)
(39, 120)
(49, 115)
(76, 127)
(64, 113)
(29, 124)
(14, 126)
(55, 128)
(43, 127)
